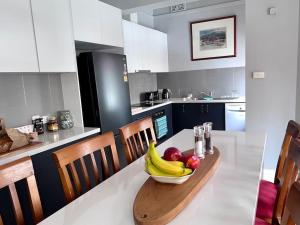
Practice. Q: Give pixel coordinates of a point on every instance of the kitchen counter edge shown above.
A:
(139, 110)
(50, 141)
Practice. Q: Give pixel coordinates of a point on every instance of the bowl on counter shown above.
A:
(171, 180)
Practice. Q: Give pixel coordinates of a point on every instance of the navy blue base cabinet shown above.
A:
(188, 115)
(168, 112)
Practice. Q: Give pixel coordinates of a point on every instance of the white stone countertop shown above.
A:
(50, 141)
(137, 110)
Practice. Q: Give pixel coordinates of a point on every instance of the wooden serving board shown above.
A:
(158, 203)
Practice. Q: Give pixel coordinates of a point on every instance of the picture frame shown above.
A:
(213, 38)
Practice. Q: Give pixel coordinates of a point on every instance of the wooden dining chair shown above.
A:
(290, 174)
(268, 191)
(291, 214)
(292, 131)
(66, 158)
(135, 138)
(1, 222)
(16, 171)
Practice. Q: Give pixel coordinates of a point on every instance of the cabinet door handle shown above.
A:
(202, 109)
(183, 109)
(207, 108)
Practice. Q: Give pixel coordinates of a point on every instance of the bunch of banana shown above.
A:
(157, 166)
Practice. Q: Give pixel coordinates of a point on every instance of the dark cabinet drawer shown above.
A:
(188, 115)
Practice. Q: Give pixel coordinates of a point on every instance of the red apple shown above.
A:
(192, 162)
(172, 154)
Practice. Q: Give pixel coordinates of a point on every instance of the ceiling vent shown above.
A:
(178, 8)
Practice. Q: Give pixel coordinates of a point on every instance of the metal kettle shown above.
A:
(166, 93)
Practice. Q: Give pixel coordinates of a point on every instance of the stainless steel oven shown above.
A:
(160, 124)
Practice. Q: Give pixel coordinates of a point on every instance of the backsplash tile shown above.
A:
(220, 81)
(140, 83)
(25, 94)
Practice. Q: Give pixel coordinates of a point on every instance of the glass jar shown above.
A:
(209, 149)
(199, 141)
(65, 119)
(52, 124)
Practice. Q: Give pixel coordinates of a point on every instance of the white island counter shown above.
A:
(229, 197)
(50, 141)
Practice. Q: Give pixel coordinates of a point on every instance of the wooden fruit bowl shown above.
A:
(158, 203)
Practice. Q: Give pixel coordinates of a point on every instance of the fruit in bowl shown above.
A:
(172, 154)
(165, 171)
(191, 161)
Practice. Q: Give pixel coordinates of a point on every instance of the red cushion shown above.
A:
(260, 222)
(266, 199)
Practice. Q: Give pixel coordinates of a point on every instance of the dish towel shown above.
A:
(161, 126)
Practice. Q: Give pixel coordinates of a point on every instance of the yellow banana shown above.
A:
(177, 163)
(162, 164)
(154, 171)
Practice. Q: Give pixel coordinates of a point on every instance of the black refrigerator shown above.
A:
(104, 91)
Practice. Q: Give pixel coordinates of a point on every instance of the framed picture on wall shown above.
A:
(213, 38)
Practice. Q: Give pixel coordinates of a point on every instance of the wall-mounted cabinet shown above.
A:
(97, 22)
(145, 48)
(17, 42)
(53, 33)
(36, 36)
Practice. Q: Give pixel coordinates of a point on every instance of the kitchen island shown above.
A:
(229, 197)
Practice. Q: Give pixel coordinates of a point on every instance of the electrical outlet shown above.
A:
(258, 75)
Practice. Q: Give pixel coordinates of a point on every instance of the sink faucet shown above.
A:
(208, 94)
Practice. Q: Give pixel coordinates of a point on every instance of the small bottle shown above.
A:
(209, 149)
(199, 142)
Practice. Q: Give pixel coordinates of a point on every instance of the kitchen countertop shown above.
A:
(137, 110)
(50, 141)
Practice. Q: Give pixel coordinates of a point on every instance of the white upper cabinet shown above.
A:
(86, 20)
(145, 48)
(17, 43)
(97, 22)
(111, 25)
(54, 35)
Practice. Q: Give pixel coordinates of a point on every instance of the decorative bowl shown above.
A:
(172, 180)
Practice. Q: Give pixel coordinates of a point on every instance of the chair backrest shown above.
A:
(290, 174)
(291, 215)
(1, 222)
(292, 131)
(14, 172)
(135, 138)
(67, 157)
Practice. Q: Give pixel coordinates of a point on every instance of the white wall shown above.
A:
(271, 46)
(177, 26)
(298, 79)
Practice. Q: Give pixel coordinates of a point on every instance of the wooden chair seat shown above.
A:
(17, 171)
(67, 158)
(135, 138)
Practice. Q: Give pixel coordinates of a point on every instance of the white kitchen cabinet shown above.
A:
(17, 43)
(54, 35)
(111, 25)
(145, 48)
(86, 20)
(97, 22)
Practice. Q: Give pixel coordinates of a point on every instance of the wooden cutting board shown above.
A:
(158, 204)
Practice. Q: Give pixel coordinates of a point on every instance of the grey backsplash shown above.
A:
(25, 94)
(140, 83)
(221, 81)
